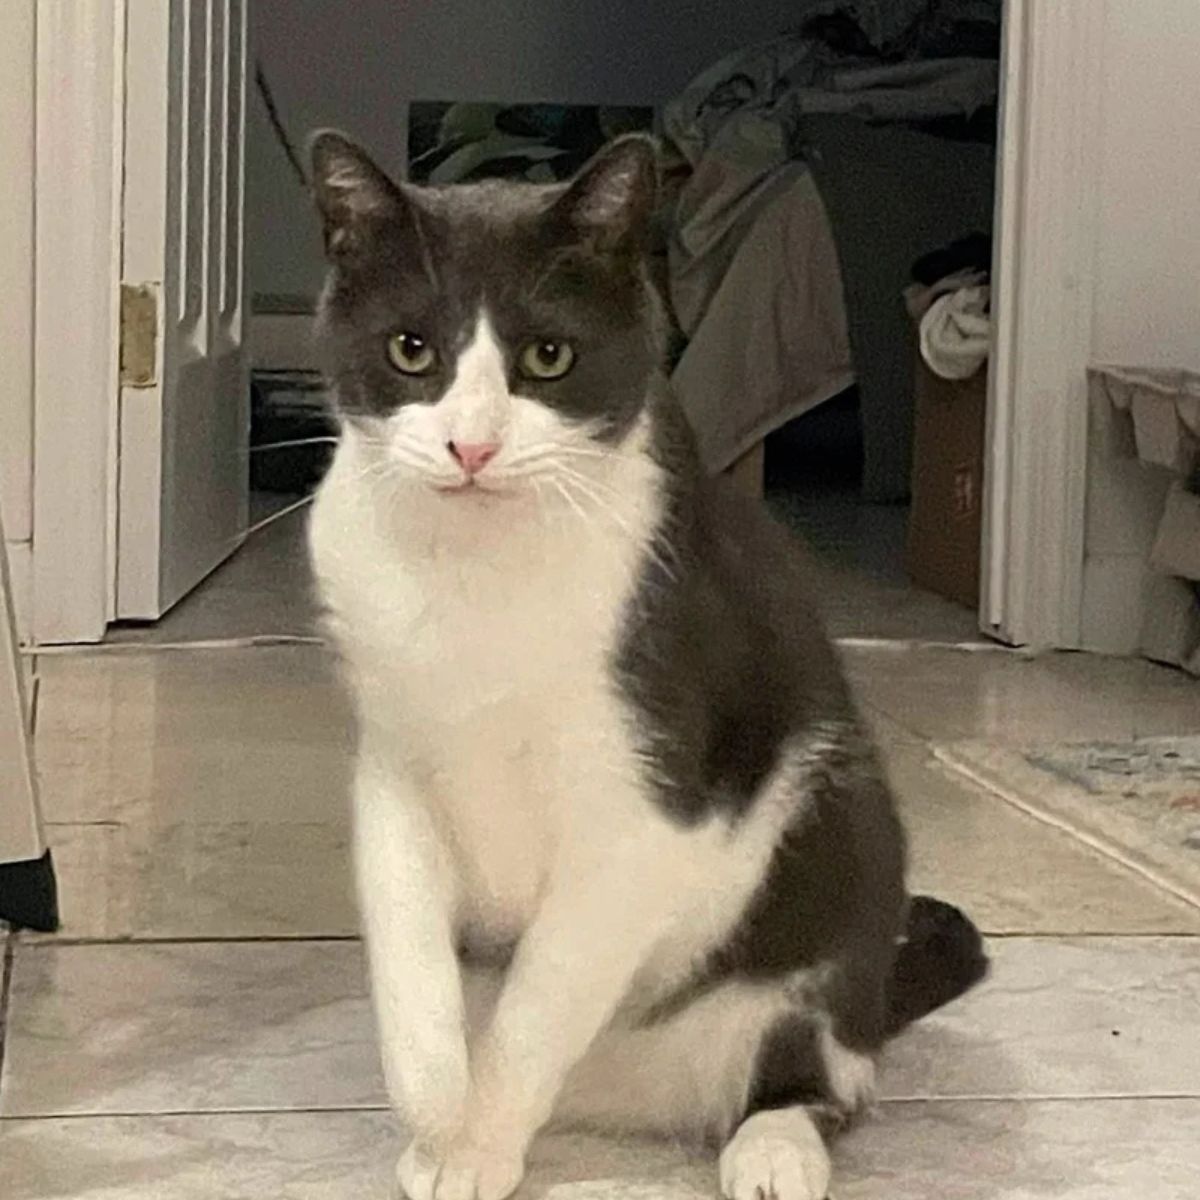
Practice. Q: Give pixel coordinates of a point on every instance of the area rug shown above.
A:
(1137, 801)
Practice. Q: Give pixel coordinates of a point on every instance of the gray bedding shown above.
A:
(796, 224)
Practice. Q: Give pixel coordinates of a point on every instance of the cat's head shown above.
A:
(487, 334)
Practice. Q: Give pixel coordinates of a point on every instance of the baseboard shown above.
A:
(29, 894)
(282, 342)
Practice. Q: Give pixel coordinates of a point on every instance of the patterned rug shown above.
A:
(1138, 801)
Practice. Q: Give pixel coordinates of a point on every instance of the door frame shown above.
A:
(79, 152)
(1047, 164)
(1042, 279)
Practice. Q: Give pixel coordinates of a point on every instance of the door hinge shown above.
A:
(139, 335)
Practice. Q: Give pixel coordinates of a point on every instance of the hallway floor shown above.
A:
(200, 1031)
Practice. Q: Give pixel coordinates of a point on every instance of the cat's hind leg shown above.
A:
(806, 1084)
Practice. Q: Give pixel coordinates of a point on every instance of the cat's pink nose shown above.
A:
(473, 456)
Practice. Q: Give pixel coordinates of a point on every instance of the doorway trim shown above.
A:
(1042, 309)
(79, 151)
(1042, 273)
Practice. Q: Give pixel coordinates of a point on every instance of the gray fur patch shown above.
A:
(428, 260)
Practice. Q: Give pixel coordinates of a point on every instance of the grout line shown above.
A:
(324, 1109)
(899, 645)
(1050, 1098)
(1107, 935)
(248, 1111)
(251, 641)
(303, 639)
(41, 941)
(252, 939)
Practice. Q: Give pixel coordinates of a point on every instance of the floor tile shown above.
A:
(1089, 1150)
(188, 1027)
(1062, 1017)
(197, 793)
(854, 606)
(167, 1028)
(1011, 872)
(261, 734)
(302, 1156)
(951, 695)
(229, 879)
(861, 584)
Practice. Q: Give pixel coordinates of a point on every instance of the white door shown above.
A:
(184, 396)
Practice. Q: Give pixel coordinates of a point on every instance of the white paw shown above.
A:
(417, 1172)
(776, 1156)
(466, 1172)
(478, 1173)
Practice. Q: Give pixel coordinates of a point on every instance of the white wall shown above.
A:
(355, 66)
(1147, 290)
(16, 270)
(1146, 295)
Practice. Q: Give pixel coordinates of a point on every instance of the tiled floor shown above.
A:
(200, 1029)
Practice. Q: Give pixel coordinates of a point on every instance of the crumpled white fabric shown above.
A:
(956, 332)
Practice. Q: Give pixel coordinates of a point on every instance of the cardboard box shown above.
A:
(946, 519)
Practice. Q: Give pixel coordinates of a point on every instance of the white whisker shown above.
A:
(563, 491)
(605, 487)
(552, 452)
(587, 485)
(586, 452)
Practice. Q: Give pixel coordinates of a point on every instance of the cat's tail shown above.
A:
(940, 958)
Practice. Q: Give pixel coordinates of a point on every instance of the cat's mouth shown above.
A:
(472, 485)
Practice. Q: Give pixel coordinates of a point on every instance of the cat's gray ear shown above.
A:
(611, 201)
(351, 192)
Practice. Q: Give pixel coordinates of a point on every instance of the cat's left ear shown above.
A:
(351, 192)
(611, 201)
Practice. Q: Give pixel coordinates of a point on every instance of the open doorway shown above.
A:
(864, 138)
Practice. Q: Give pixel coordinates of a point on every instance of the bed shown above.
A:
(804, 174)
(808, 178)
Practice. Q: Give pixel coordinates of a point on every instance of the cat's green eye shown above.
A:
(411, 354)
(547, 360)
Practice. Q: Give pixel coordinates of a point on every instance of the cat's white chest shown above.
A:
(486, 656)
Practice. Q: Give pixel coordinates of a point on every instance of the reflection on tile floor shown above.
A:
(196, 799)
(230, 766)
(212, 1027)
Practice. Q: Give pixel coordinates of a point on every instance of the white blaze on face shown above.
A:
(477, 404)
(478, 409)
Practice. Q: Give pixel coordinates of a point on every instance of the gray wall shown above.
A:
(354, 64)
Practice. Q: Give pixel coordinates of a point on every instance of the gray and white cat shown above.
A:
(625, 855)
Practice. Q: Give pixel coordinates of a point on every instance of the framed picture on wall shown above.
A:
(452, 142)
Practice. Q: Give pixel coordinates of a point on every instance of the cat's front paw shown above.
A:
(479, 1172)
(417, 1171)
(466, 1171)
